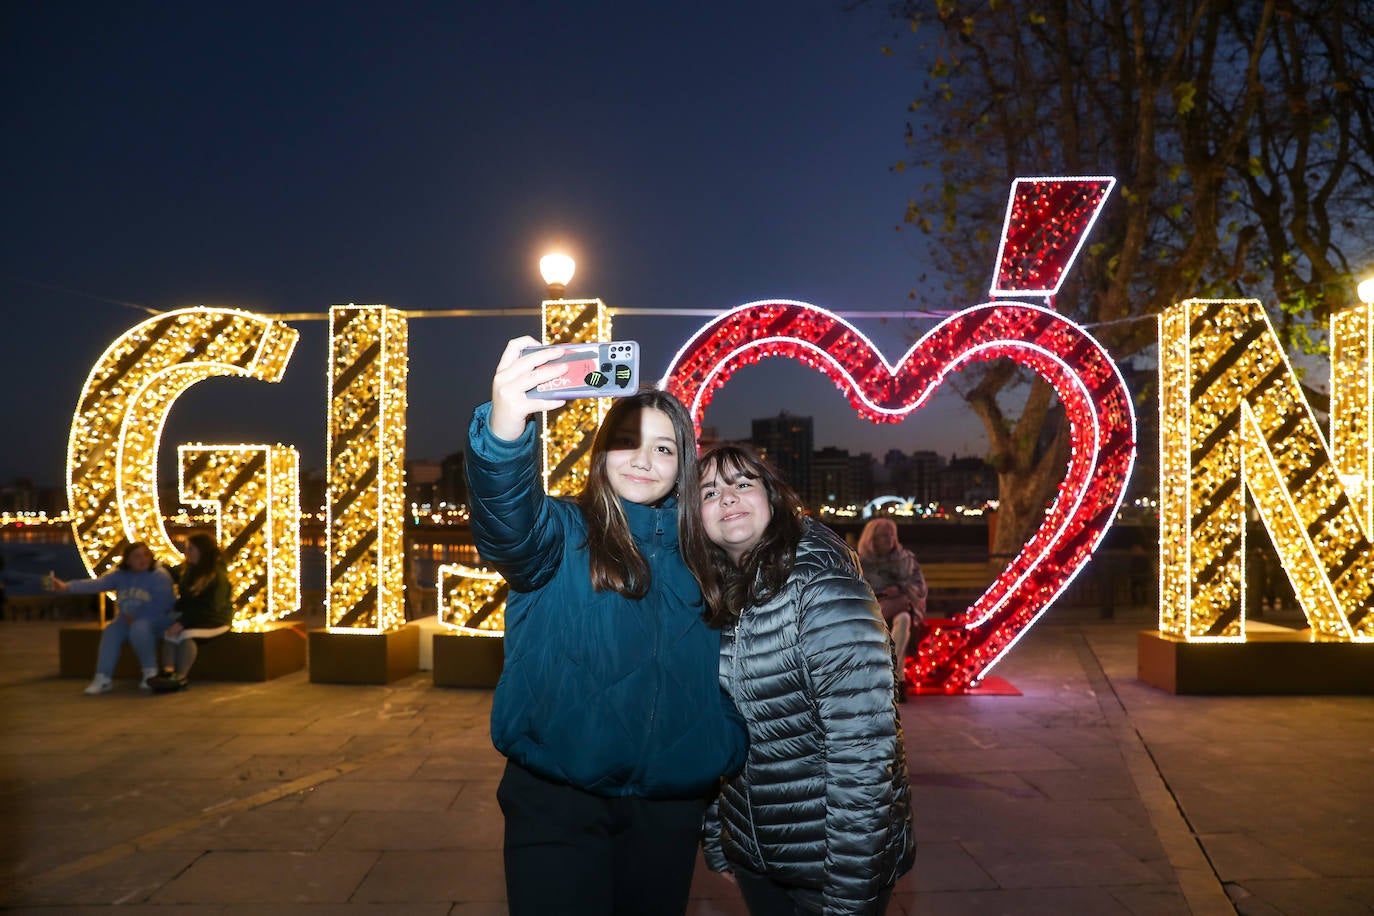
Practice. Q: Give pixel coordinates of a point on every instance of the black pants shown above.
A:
(766, 897)
(573, 853)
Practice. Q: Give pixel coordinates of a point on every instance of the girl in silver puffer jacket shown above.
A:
(819, 821)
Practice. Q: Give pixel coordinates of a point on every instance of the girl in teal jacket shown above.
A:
(609, 708)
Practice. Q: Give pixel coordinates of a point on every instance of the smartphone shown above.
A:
(607, 369)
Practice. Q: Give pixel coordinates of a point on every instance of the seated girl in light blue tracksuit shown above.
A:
(144, 596)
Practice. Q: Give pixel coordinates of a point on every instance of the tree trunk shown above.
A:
(1027, 475)
(1024, 495)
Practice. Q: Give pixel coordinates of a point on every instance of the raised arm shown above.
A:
(106, 583)
(512, 522)
(511, 407)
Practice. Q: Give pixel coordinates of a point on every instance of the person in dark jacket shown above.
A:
(204, 610)
(819, 821)
(143, 597)
(609, 708)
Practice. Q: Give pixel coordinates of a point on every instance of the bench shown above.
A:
(259, 655)
(953, 587)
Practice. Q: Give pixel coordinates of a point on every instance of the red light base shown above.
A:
(987, 687)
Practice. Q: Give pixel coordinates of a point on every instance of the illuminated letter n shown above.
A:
(1233, 420)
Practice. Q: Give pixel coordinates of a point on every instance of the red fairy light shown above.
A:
(954, 656)
(1047, 222)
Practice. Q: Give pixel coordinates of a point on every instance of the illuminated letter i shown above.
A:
(365, 557)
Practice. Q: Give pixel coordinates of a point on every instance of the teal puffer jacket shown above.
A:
(614, 696)
(823, 804)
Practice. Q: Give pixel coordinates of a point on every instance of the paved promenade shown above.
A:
(1089, 794)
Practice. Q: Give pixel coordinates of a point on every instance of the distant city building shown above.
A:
(453, 484)
(831, 479)
(21, 495)
(915, 476)
(968, 481)
(787, 442)
(861, 470)
(895, 470)
(422, 480)
(924, 476)
(839, 478)
(710, 438)
(313, 485)
(169, 497)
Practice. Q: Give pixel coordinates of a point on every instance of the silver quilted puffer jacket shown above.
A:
(823, 801)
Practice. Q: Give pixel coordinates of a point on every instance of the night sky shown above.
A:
(286, 157)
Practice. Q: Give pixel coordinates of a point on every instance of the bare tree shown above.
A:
(1240, 132)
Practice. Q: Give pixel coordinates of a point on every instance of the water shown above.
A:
(31, 553)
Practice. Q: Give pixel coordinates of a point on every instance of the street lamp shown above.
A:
(1366, 291)
(557, 271)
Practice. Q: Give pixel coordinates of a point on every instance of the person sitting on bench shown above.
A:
(203, 610)
(143, 596)
(895, 577)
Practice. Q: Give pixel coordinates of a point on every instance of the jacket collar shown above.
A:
(653, 524)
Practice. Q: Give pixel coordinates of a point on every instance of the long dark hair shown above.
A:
(196, 577)
(616, 563)
(762, 572)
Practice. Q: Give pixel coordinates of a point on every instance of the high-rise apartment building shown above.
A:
(422, 478)
(786, 441)
(453, 485)
(839, 478)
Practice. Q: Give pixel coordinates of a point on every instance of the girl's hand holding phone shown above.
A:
(516, 375)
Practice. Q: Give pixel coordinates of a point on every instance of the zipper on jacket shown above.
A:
(658, 671)
(658, 530)
(658, 630)
(742, 781)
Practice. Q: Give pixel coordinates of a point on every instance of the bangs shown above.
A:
(730, 465)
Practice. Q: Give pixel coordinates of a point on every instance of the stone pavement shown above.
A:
(1090, 794)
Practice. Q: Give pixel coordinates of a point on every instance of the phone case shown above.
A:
(608, 369)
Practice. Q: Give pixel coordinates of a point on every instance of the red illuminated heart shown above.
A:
(954, 657)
